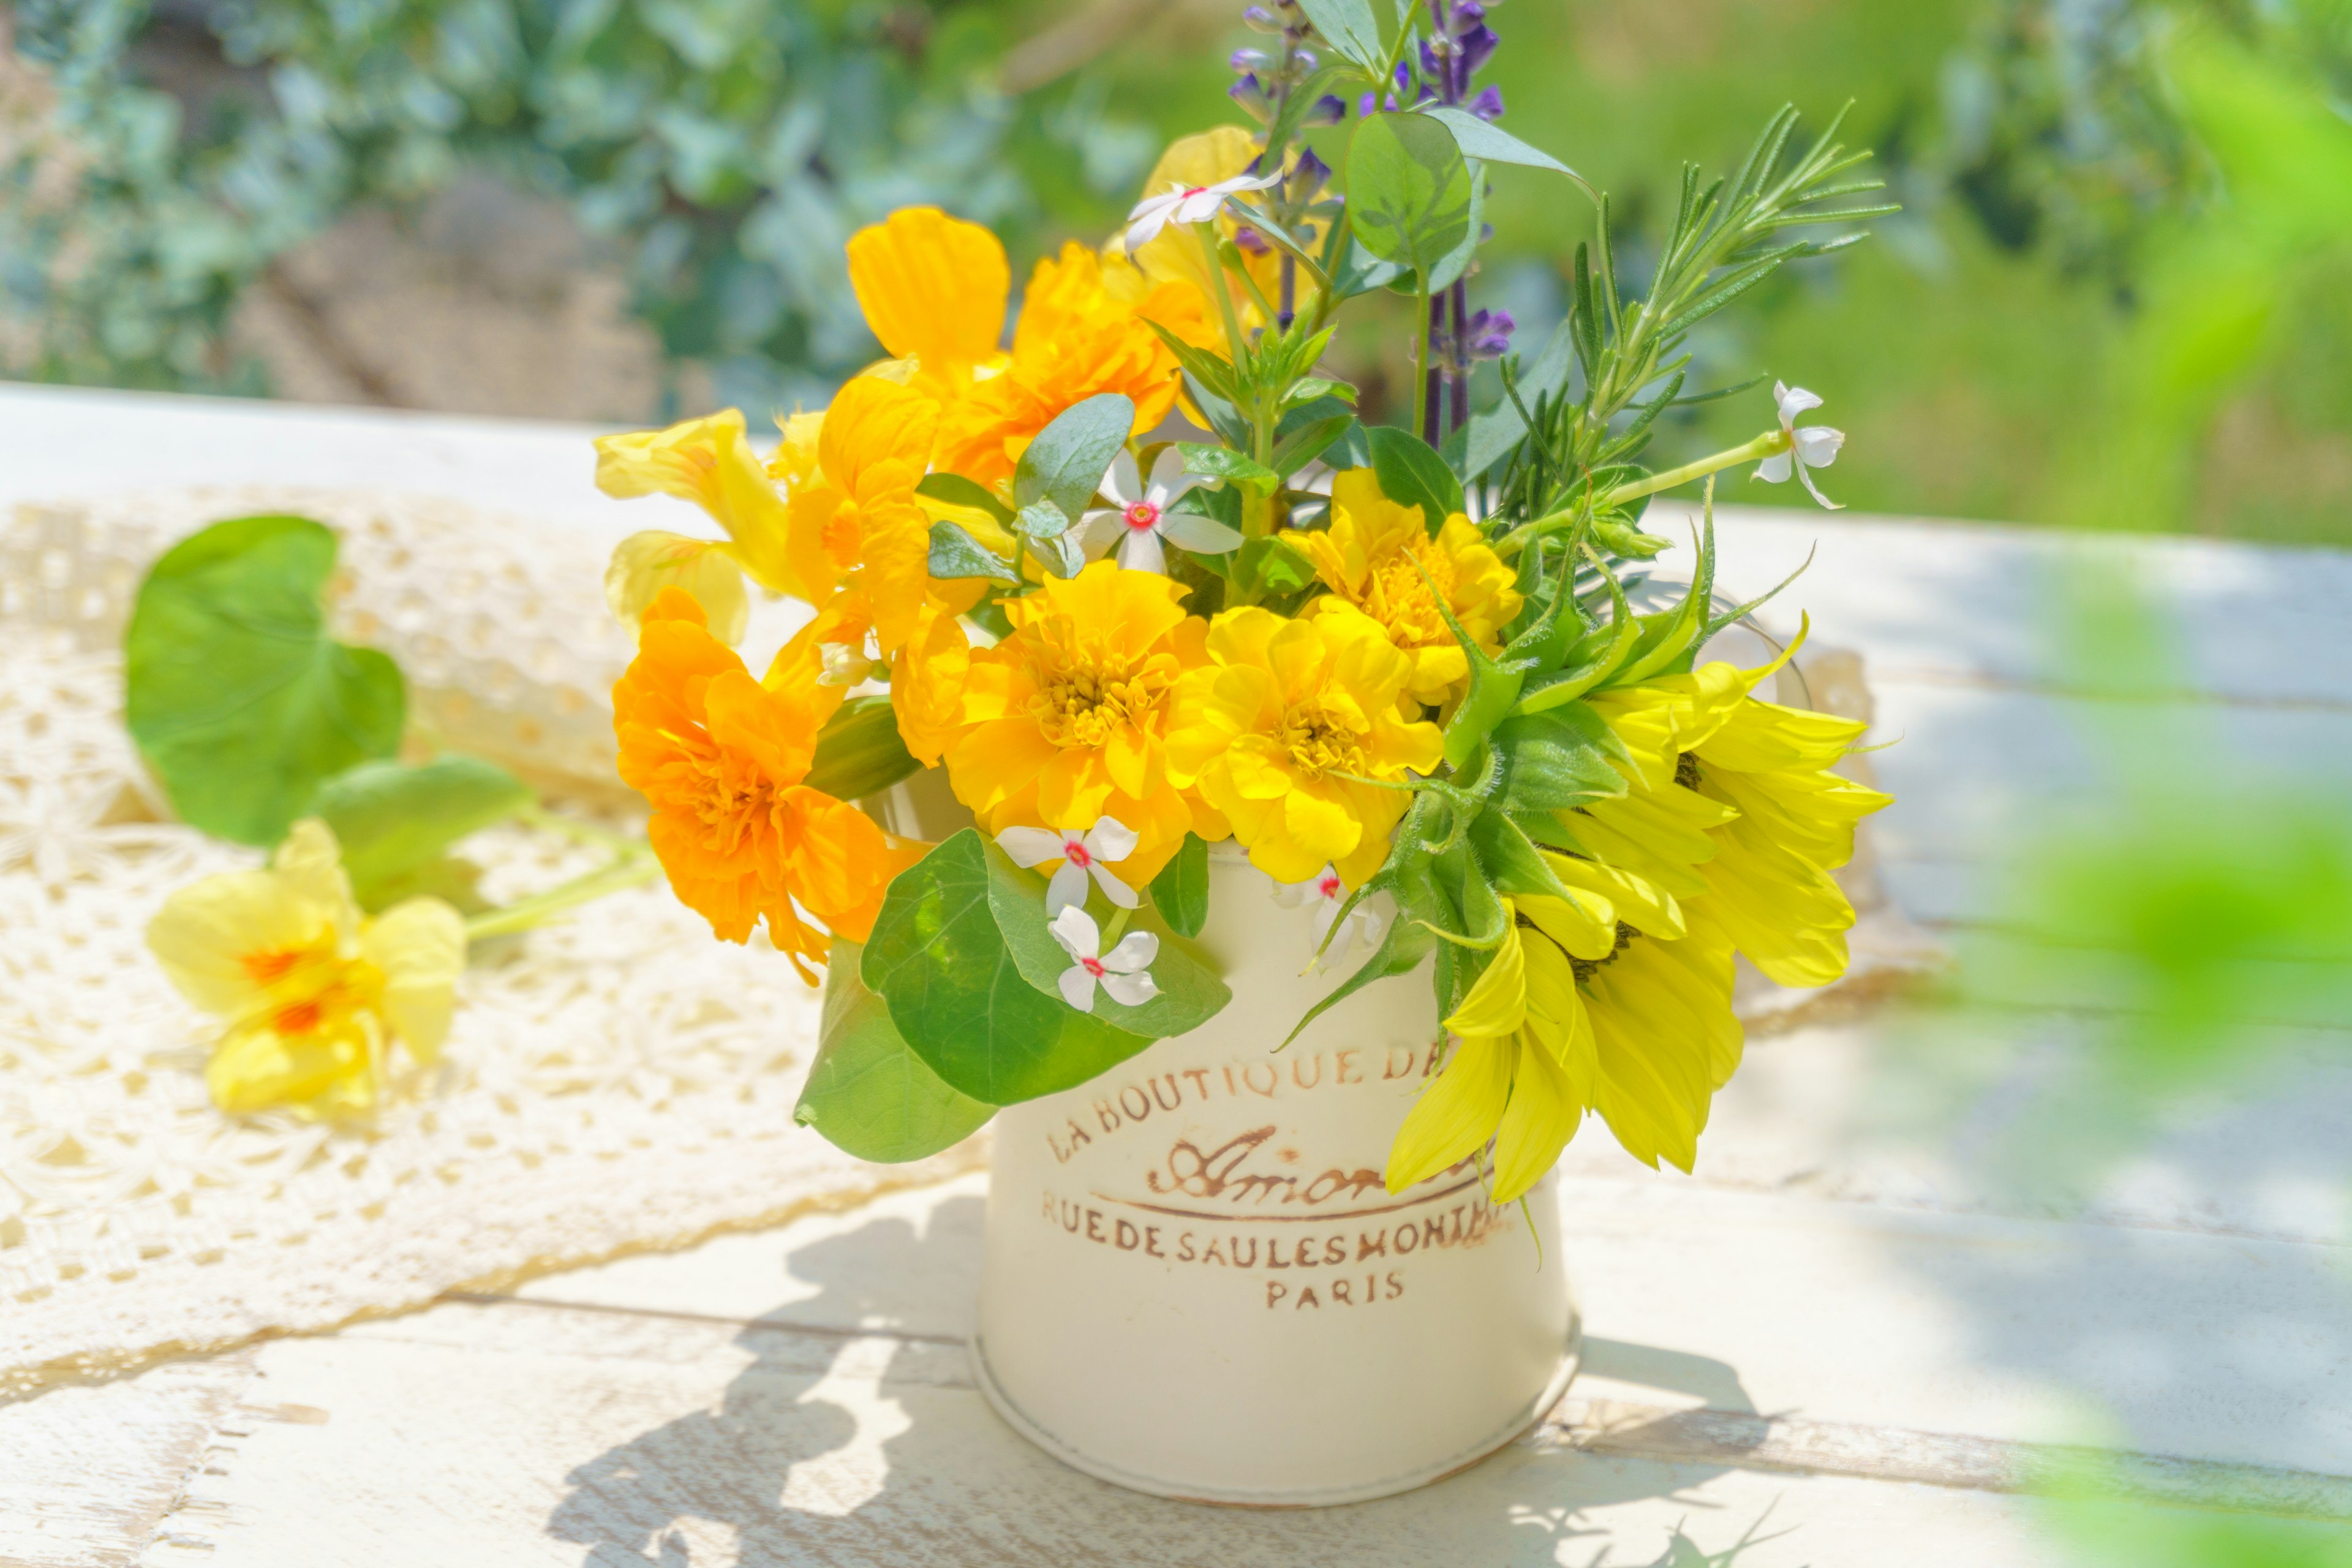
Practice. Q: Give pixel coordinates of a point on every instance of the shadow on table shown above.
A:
(836, 1446)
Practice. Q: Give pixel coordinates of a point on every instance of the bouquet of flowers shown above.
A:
(1395, 664)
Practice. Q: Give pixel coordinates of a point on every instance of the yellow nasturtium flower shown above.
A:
(314, 992)
(1280, 730)
(707, 461)
(1379, 557)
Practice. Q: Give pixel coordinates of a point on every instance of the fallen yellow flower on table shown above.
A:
(315, 991)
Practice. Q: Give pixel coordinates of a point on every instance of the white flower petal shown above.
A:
(1077, 984)
(1110, 839)
(1158, 203)
(1103, 529)
(1373, 925)
(1067, 888)
(1169, 478)
(1141, 551)
(1122, 487)
(1146, 229)
(1817, 446)
(1131, 990)
(1076, 931)
(1793, 401)
(1805, 475)
(1774, 470)
(1116, 892)
(1135, 952)
(1290, 895)
(1326, 911)
(1031, 846)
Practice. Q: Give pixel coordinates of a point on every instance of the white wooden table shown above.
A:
(1843, 1337)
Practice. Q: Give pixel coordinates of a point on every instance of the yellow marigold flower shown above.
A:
(314, 991)
(707, 461)
(934, 289)
(1379, 557)
(1273, 731)
(1069, 716)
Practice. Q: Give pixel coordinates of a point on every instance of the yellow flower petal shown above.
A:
(420, 947)
(708, 461)
(645, 563)
(329, 1074)
(1455, 1114)
(1497, 1001)
(225, 941)
(933, 288)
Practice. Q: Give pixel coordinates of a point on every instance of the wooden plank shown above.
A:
(87, 1472)
(610, 1441)
(1965, 601)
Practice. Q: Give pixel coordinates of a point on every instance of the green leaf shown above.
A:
(1492, 435)
(236, 694)
(1069, 458)
(1224, 463)
(1493, 144)
(1413, 474)
(1353, 27)
(1410, 189)
(1273, 567)
(1556, 759)
(867, 1094)
(1510, 861)
(1190, 991)
(1043, 520)
(859, 751)
(391, 819)
(1307, 441)
(956, 553)
(956, 491)
(957, 997)
(1362, 272)
(1404, 877)
(1456, 261)
(1315, 387)
(1180, 891)
(1214, 372)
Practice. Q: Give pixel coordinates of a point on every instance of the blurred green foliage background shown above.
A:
(723, 149)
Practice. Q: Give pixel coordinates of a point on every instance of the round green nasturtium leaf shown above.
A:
(236, 694)
(394, 821)
(867, 1093)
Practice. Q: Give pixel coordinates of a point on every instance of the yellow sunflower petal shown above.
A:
(1455, 1114)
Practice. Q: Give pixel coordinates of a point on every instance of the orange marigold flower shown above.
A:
(934, 290)
(1069, 714)
(721, 757)
(1078, 337)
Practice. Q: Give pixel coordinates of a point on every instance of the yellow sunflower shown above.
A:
(1378, 556)
(1277, 730)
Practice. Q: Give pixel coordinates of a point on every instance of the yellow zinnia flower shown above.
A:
(1379, 557)
(1274, 732)
(707, 461)
(1068, 716)
(314, 991)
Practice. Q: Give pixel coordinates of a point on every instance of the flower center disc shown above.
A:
(1142, 515)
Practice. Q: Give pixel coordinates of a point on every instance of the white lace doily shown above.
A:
(611, 1082)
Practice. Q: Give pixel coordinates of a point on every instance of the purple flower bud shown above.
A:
(1478, 45)
(1249, 239)
(1303, 63)
(1330, 109)
(1250, 96)
(1248, 62)
(1468, 15)
(1262, 20)
(1489, 336)
(1307, 177)
(1489, 105)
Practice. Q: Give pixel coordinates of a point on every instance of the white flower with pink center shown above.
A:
(1187, 204)
(1325, 894)
(1123, 971)
(1812, 447)
(1140, 517)
(1074, 856)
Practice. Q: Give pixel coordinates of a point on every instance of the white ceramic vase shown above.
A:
(1197, 1286)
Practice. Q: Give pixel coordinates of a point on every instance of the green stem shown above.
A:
(1764, 446)
(635, 866)
(1419, 352)
(1206, 233)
